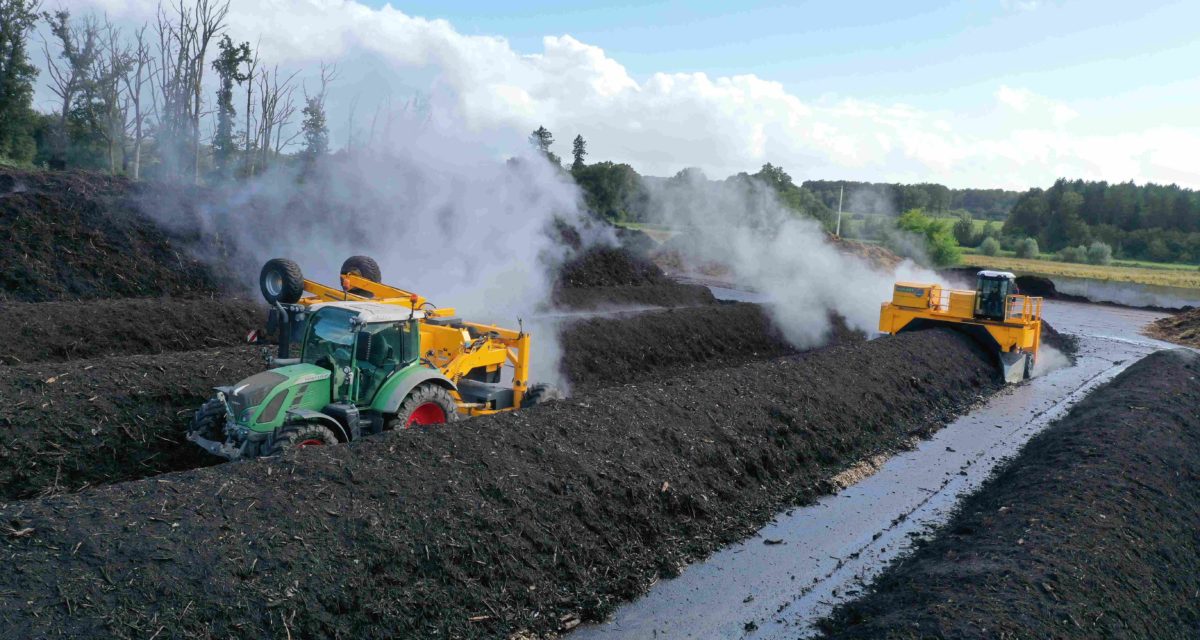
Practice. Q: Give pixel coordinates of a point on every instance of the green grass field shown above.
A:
(1163, 275)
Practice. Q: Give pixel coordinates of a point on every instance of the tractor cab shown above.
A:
(362, 345)
(992, 291)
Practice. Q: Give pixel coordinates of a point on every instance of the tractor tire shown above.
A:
(363, 267)
(209, 421)
(427, 404)
(541, 394)
(300, 436)
(281, 281)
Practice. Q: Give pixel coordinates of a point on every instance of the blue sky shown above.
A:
(1011, 93)
(1129, 59)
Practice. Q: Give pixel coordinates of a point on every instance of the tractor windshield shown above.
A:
(330, 338)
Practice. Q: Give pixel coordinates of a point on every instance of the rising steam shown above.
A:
(742, 225)
(442, 216)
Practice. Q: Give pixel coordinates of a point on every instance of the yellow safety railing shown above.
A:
(1023, 308)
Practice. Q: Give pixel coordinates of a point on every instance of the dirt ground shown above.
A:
(75, 235)
(62, 331)
(1181, 328)
(64, 426)
(607, 351)
(531, 520)
(1091, 532)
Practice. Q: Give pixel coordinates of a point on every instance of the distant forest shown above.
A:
(1146, 222)
(883, 198)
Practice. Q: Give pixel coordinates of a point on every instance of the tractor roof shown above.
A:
(997, 274)
(373, 311)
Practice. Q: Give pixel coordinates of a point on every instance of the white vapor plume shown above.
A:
(443, 217)
(742, 225)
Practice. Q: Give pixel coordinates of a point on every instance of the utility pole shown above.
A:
(841, 192)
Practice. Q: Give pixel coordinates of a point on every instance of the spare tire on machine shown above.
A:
(281, 281)
(363, 267)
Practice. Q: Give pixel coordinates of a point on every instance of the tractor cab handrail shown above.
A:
(1023, 308)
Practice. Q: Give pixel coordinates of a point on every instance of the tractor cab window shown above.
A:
(993, 295)
(382, 348)
(330, 339)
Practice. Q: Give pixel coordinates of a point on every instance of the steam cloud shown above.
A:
(442, 216)
(741, 224)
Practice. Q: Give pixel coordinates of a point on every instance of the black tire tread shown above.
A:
(365, 266)
(541, 393)
(290, 437)
(293, 280)
(423, 393)
(208, 421)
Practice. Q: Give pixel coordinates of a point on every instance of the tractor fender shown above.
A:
(389, 401)
(308, 415)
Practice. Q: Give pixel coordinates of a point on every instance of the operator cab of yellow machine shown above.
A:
(995, 313)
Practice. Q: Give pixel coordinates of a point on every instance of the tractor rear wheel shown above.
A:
(209, 420)
(363, 267)
(281, 281)
(540, 394)
(425, 405)
(300, 436)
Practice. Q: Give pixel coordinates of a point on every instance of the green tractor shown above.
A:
(372, 358)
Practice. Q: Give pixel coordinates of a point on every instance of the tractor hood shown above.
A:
(265, 392)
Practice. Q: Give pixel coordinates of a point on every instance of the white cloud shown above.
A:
(671, 120)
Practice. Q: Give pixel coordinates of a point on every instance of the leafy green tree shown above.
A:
(578, 152)
(800, 200)
(940, 245)
(314, 127)
(1028, 248)
(1099, 253)
(611, 191)
(991, 230)
(1073, 254)
(541, 140)
(228, 65)
(17, 73)
(990, 246)
(964, 231)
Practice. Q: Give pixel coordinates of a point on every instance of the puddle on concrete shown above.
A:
(834, 547)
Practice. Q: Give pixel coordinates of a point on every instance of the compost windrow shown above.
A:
(75, 235)
(63, 331)
(1090, 532)
(607, 351)
(528, 520)
(65, 426)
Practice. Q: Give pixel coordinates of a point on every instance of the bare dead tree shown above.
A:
(277, 107)
(139, 74)
(350, 119)
(184, 36)
(69, 70)
(105, 98)
(210, 21)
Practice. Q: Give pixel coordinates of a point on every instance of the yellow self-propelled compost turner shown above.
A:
(995, 313)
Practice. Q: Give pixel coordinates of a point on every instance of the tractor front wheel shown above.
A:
(425, 405)
(300, 436)
(209, 421)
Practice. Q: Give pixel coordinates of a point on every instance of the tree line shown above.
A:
(135, 102)
(1160, 223)
(883, 198)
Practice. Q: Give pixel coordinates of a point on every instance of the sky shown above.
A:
(991, 93)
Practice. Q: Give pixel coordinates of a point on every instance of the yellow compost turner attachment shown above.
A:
(995, 314)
